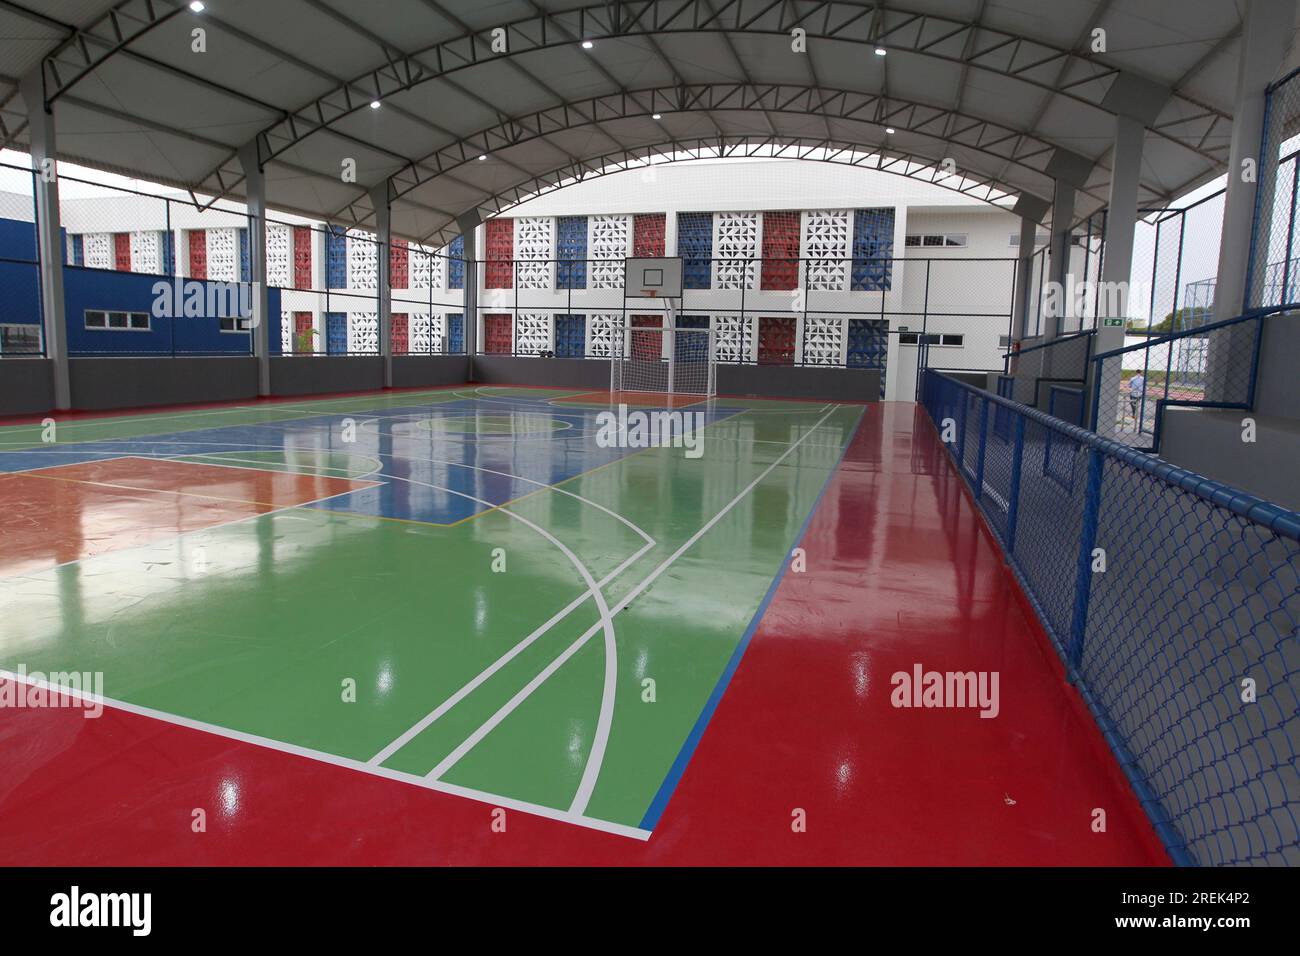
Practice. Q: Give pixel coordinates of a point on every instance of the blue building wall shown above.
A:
(17, 240)
(105, 290)
(20, 293)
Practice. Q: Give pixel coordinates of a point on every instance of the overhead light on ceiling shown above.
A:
(587, 44)
(375, 104)
(482, 156)
(197, 7)
(889, 130)
(881, 51)
(658, 116)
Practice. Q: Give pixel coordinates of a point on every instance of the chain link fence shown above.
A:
(1274, 277)
(1174, 603)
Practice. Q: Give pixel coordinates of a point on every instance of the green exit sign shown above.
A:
(1116, 323)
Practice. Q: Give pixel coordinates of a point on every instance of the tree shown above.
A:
(1187, 318)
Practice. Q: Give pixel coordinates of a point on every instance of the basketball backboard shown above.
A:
(653, 278)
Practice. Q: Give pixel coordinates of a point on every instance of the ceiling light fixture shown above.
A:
(889, 130)
(374, 104)
(587, 44)
(658, 116)
(482, 156)
(197, 7)
(881, 51)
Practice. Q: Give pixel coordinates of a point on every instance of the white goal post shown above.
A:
(651, 351)
(650, 355)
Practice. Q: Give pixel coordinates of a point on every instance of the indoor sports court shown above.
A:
(692, 433)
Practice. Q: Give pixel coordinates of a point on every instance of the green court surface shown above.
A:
(450, 599)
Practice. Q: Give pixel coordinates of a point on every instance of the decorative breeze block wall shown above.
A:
(363, 332)
(363, 261)
(609, 242)
(736, 249)
(279, 255)
(534, 252)
(826, 244)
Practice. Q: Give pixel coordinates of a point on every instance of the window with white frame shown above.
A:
(937, 240)
(103, 320)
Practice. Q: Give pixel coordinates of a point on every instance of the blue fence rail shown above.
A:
(1173, 601)
(1212, 366)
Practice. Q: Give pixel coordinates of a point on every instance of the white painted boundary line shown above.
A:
(321, 756)
(592, 770)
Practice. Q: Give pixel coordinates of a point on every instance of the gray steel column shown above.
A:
(1031, 210)
(1062, 222)
(469, 222)
(1071, 171)
(384, 296)
(45, 182)
(255, 198)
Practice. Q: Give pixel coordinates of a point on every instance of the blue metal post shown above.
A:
(961, 430)
(979, 461)
(1013, 495)
(1087, 541)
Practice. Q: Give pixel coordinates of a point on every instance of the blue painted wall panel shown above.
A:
(455, 333)
(571, 243)
(336, 258)
(873, 249)
(336, 333)
(695, 246)
(570, 336)
(456, 267)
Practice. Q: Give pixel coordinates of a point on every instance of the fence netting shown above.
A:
(1274, 276)
(1174, 603)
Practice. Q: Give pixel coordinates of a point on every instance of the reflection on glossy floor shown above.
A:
(357, 630)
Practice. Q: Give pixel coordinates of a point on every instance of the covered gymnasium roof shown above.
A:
(1008, 90)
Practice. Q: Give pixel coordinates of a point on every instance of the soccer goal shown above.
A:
(652, 351)
(652, 355)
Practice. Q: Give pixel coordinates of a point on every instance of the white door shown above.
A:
(902, 374)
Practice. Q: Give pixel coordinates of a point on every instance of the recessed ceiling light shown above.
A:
(587, 44)
(197, 7)
(658, 116)
(374, 104)
(881, 51)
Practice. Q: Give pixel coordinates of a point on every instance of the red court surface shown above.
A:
(899, 572)
(100, 506)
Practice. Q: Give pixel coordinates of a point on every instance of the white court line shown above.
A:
(592, 769)
(594, 590)
(474, 683)
(481, 796)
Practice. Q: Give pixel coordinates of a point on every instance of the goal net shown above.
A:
(651, 356)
